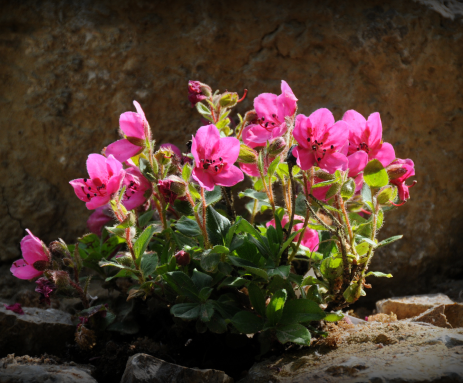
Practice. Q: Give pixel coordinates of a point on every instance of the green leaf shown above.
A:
(259, 196)
(186, 311)
(378, 274)
(273, 166)
(353, 293)
(221, 249)
(121, 274)
(248, 266)
(209, 261)
(203, 109)
(389, 240)
(324, 183)
(234, 282)
(331, 268)
(217, 226)
(194, 193)
(186, 172)
(188, 227)
(147, 170)
(205, 293)
(375, 175)
(183, 240)
(247, 323)
(301, 310)
(311, 281)
(145, 218)
(182, 284)
(257, 298)
(326, 246)
(282, 271)
(362, 249)
(275, 307)
(334, 317)
(213, 196)
(294, 333)
(201, 279)
(300, 206)
(148, 264)
(348, 189)
(366, 192)
(143, 240)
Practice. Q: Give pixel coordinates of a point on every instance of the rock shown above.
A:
(26, 369)
(374, 352)
(454, 314)
(411, 306)
(435, 316)
(35, 332)
(74, 66)
(143, 368)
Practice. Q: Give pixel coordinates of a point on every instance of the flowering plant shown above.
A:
(166, 220)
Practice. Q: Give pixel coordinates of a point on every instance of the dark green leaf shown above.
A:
(257, 298)
(187, 311)
(201, 279)
(206, 311)
(282, 271)
(217, 226)
(247, 323)
(188, 227)
(301, 310)
(209, 261)
(143, 240)
(275, 307)
(213, 196)
(148, 264)
(389, 240)
(145, 218)
(294, 333)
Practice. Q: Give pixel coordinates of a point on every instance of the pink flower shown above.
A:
(16, 308)
(399, 171)
(310, 238)
(172, 187)
(36, 258)
(252, 169)
(136, 130)
(45, 288)
(214, 158)
(138, 187)
(99, 219)
(271, 111)
(197, 92)
(106, 175)
(320, 141)
(366, 135)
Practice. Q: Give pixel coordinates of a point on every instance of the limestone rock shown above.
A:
(70, 68)
(35, 332)
(411, 306)
(374, 352)
(143, 368)
(26, 369)
(435, 316)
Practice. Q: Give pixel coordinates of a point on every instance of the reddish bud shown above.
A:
(276, 146)
(182, 257)
(197, 91)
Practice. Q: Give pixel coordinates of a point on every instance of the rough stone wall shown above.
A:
(69, 68)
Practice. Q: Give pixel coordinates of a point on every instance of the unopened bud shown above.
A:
(206, 90)
(58, 249)
(325, 176)
(396, 171)
(333, 190)
(136, 141)
(41, 265)
(197, 91)
(348, 189)
(251, 116)
(386, 195)
(228, 99)
(247, 155)
(124, 259)
(182, 258)
(276, 146)
(60, 279)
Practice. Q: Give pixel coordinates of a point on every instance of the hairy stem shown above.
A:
(228, 195)
(254, 212)
(206, 238)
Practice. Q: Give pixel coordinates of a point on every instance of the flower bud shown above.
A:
(396, 171)
(325, 176)
(59, 248)
(247, 155)
(60, 279)
(124, 259)
(197, 91)
(276, 146)
(348, 189)
(386, 195)
(182, 257)
(251, 116)
(228, 99)
(206, 90)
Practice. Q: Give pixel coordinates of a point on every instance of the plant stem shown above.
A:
(346, 218)
(254, 212)
(293, 197)
(269, 195)
(206, 238)
(306, 222)
(198, 219)
(228, 195)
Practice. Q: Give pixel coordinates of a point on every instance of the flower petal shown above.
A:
(204, 142)
(228, 148)
(98, 219)
(301, 132)
(20, 269)
(203, 178)
(80, 189)
(139, 110)
(332, 162)
(98, 201)
(96, 166)
(32, 249)
(229, 176)
(250, 169)
(355, 121)
(375, 129)
(122, 150)
(384, 153)
(305, 158)
(132, 125)
(265, 105)
(337, 136)
(310, 239)
(321, 120)
(114, 166)
(357, 162)
(286, 102)
(256, 135)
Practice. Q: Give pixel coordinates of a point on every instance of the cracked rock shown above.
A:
(35, 332)
(143, 368)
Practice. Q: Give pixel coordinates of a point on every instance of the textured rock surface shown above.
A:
(69, 68)
(143, 368)
(374, 352)
(25, 369)
(410, 306)
(35, 332)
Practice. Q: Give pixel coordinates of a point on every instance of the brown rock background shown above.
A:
(69, 68)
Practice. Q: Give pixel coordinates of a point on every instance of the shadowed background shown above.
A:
(68, 69)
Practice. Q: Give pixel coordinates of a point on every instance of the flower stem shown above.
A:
(254, 212)
(206, 238)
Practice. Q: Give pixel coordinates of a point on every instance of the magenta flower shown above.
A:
(214, 158)
(197, 92)
(15, 307)
(271, 111)
(45, 288)
(99, 219)
(310, 238)
(252, 169)
(136, 129)
(106, 175)
(367, 135)
(36, 258)
(320, 141)
(138, 187)
(399, 171)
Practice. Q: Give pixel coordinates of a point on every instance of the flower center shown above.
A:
(316, 146)
(269, 125)
(131, 189)
(215, 165)
(94, 188)
(363, 146)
